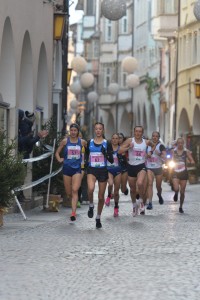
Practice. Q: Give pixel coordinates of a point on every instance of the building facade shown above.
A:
(164, 37)
(26, 51)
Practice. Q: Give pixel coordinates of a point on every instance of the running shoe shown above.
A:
(107, 201)
(135, 210)
(161, 201)
(142, 209)
(176, 197)
(73, 216)
(91, 212)
(181, 210)
(137, 196)
(150, 206)
(126, 192)
(116, 212)
(78, 204)
(98, 223)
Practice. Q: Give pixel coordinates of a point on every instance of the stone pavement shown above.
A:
(154, 257)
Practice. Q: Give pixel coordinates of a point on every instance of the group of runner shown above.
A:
(135, 160)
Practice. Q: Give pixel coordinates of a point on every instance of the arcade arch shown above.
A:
(7, 66)
(196, 121)
(42, 82)
(183, 125)
(26, 76)
(125, 124)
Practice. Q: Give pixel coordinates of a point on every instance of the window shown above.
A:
(123, 79)
(90, 8)
(184, 52)
(167, 6)
(124, 25)
(108, 35)
(95, 48)
(107, 76)
(194, 56)
(3, 118)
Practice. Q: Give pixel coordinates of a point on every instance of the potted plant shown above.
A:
(12, 172)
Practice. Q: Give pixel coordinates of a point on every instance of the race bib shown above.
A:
(180, 167)
(115, 163)
(97, 159)
(139, 154)
(73, 152)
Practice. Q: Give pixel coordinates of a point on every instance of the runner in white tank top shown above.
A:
(137, 154)
(154, 168)
(136, 147)
(180, 175)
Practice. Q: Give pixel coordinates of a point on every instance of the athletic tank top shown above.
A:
(72, 154)
(180, 161)
(115, 165)
(137, 153)
(155, 160)
(96, 157)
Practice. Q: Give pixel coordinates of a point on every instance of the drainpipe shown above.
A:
(133, 26)
(65, 63)
(176, 81)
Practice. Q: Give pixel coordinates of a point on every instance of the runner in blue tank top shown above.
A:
(71, 165)
(114, 174)
(98, 151)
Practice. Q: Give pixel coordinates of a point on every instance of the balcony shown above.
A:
(165, 25)
(164, 22)
(88, 27)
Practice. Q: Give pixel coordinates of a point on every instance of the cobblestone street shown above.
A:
(155, 256)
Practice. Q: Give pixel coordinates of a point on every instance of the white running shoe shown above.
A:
(135, 210)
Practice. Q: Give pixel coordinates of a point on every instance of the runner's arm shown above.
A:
(125, 146)
(109, 153)
(59, 149)
(189, 156)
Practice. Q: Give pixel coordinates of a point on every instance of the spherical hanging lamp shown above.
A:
(79, 64)
(197, 10)
(74, 104)
(92, 97)
(75, 87)
(87, 80)
(113, 88)
(132, 80)
(113, 9)
(129, 64)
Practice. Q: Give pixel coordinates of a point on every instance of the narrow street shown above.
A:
(155, 256)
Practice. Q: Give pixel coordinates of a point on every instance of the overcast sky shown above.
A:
(75, 15)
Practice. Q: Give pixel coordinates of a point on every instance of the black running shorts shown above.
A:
(134, 170)
(180, 175)
(101, 174)
(156, 171)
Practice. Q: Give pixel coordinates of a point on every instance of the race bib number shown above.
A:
(139, 154)
(115, 163)
(180, 167)
(73, 152)
(97, 159)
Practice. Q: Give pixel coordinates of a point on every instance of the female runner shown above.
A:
(180, 174)
(71, 165)
(124, 177)
(114, 174)
(98, 151)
